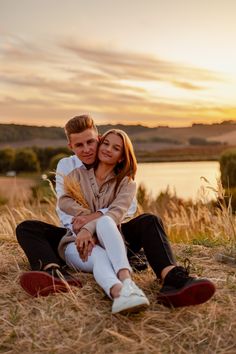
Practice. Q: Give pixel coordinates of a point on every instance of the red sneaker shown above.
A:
(43, 283)
(179, 289)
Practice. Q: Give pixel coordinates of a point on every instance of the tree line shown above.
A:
(33, 159)
(17, 132)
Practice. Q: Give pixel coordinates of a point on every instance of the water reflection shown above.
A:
(182, 177)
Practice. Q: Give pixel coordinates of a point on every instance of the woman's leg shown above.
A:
(111, 239)
(98, 263)
(128, 297)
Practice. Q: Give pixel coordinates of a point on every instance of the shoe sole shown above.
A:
(194, 294)
(42, 284)
(133, 308)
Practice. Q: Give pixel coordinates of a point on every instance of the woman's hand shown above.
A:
(84, 244)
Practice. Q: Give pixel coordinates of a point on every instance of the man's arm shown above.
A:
(64, 167)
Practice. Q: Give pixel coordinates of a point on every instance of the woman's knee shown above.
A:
(107, 230)
(71, 252)
(105, 222)
(74, 260)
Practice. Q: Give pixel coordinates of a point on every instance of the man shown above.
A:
(40, 240)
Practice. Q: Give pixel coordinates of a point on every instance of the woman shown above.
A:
(99, 247)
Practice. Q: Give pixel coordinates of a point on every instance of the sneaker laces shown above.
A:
(130, 288)
(179, 275)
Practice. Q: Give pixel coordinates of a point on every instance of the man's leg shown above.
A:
(39, 241)
(146, 231)
(179, 289)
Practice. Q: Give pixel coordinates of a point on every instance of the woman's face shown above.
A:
(111, 149)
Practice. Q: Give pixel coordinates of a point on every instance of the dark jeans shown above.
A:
(147, 231)
(40, 240)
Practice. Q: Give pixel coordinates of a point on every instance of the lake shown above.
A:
(182, 177)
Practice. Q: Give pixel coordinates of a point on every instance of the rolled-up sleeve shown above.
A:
(124, 197)
(67, 204)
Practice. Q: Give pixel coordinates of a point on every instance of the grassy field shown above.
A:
(80, 321)
(16, 190)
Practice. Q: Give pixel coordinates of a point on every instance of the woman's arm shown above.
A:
(67, 204)
(118, 208)
(72, 201)
(124, 197)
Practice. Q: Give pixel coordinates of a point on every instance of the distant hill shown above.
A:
(145, 138)
(14, 132)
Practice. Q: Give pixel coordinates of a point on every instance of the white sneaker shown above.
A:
(131, 299)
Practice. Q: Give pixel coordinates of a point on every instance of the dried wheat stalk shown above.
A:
(73, 188)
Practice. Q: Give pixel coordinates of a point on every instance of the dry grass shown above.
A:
(73, 188)
(201, 222)
(81, 322)
(16, 189)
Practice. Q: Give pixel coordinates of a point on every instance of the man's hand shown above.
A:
(84, 243)
(79, 221)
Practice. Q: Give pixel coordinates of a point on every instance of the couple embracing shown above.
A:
(96, 195)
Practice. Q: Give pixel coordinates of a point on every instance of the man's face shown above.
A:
(84, 145)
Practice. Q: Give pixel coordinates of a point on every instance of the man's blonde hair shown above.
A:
(78, 124)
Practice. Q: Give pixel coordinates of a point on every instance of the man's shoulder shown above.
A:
(67, 164)
(70, 159)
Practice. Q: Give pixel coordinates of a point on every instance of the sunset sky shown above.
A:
(152, 62)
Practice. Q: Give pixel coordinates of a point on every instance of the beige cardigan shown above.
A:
(97, 198)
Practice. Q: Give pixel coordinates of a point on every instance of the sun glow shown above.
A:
(175, 64)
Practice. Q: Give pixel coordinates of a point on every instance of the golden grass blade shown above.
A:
(73, 188)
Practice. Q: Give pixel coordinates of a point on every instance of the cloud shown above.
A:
(132, 66)
(187, 85)
(17, 50)
(58, 81)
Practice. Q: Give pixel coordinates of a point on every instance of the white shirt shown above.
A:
(64, 167)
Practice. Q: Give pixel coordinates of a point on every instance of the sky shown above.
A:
(149, 62)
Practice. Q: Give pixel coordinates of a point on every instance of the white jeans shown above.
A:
(106, 259)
